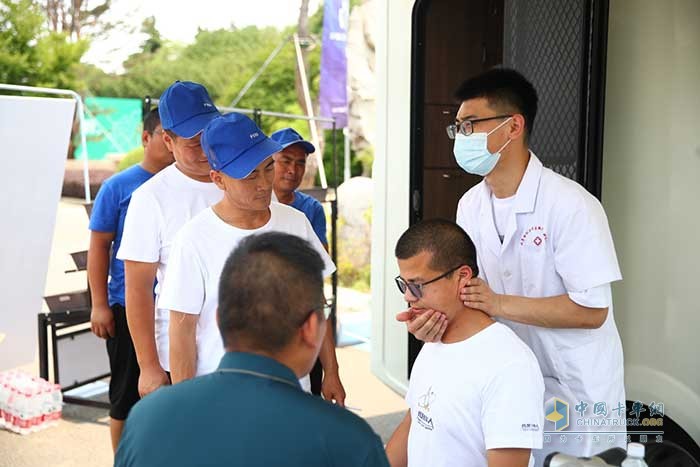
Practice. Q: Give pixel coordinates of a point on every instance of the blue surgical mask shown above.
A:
(472, 152)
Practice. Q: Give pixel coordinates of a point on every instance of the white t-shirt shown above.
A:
(557, 241)
(197, 259)
(157, 211)
(502, 207)
(465, 398)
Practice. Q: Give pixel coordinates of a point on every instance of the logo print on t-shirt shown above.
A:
(424, 402)
(530, 427)
(426, 399)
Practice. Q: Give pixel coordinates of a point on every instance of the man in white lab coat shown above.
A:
(547, 261)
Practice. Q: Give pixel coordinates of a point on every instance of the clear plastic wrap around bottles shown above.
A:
(27, 403)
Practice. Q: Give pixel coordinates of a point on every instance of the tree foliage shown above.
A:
(29, 54)
(224, 60)
(73, 17)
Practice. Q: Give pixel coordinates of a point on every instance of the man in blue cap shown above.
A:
(157, 211)
(106, 273)
(251, 411)
(290, 166)
(242, 167)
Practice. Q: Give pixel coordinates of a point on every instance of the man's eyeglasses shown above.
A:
(466, 127)
(417, 289)
(327, 307)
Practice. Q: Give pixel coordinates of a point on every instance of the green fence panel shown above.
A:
(113, 126)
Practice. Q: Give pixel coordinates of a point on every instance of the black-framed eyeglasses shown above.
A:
(466, 127)
(327, 307)
(417, 289)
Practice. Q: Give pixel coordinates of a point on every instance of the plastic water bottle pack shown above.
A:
(27, 403)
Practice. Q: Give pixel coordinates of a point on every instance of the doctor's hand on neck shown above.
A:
(426, 325)
(478, 295)
(559, 312)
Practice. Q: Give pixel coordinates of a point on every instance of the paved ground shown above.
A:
(82, 437)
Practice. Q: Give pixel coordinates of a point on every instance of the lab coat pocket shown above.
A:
(537, 268)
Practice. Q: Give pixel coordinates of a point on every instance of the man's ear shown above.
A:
(169, 142)
(516, 127)
(310, 330)
(465, 275)
(217, 179)
(145, 138)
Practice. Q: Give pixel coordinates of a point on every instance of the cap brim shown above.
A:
(195, 125)
(244, 164)
(308, 147)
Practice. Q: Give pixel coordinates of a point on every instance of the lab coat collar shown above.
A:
(525, 199)
(526, 196)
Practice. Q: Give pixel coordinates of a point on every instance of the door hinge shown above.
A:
(416, 202)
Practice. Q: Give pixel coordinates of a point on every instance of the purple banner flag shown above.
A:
(333, 101)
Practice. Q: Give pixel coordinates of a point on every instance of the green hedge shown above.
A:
(132, 157)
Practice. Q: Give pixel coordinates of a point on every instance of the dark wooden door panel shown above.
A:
(493, 44)
(437, 147)
(442, 190)
(455, 32)
(452, 41)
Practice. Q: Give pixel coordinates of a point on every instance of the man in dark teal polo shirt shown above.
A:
(252, 411)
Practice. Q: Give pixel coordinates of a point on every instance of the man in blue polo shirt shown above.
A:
(108, 316)
(252, 411)
(290, 166)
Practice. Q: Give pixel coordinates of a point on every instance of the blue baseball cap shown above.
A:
(235, 145)
(185, 108)
(288, 136)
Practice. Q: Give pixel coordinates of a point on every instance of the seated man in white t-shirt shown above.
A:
(475, 398)
(240, 156)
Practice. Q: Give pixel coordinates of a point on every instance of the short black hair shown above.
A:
(448, 243)
(268, 286)
(505, 90)
(151, 121)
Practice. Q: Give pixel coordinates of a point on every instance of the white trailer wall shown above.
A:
(391, 192)
(651, 192)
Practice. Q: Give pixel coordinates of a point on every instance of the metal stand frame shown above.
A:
(51, 324)
(68, 312)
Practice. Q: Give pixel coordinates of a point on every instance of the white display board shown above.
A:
(34, 137)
